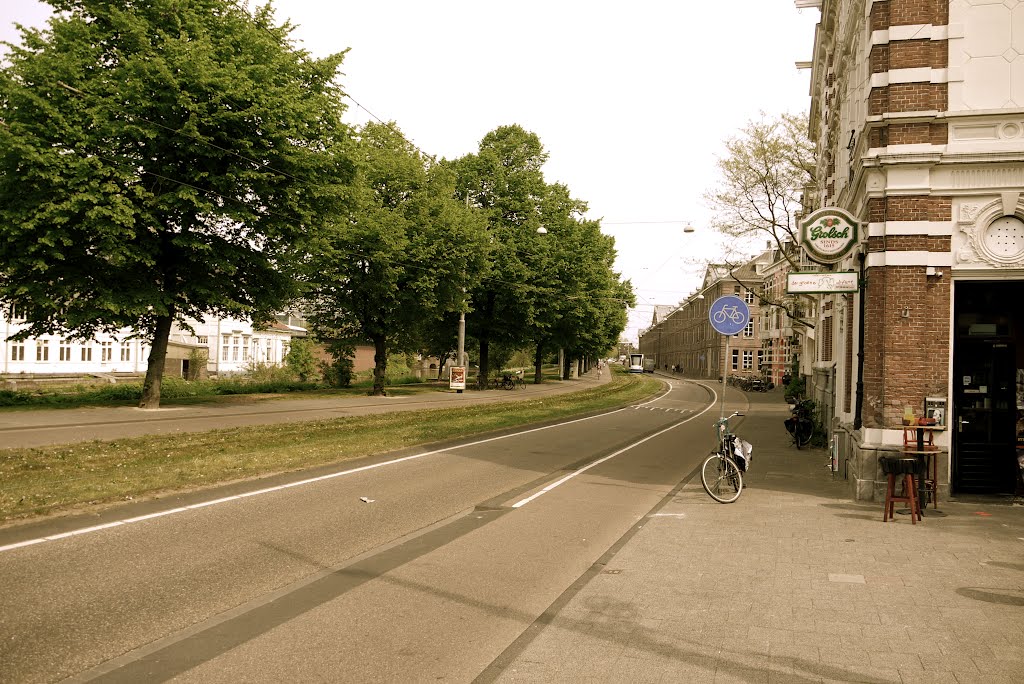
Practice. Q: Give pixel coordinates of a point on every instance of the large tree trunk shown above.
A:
(485, 315)
(538, 359)
(157, 358)
(380, 365)
(481, 374)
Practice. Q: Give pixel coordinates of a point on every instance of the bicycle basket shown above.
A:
(740, 452)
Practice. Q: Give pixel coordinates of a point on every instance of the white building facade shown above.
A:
(229, 345)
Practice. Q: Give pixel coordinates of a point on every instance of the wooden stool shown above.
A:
(903, 468)
(919, 440)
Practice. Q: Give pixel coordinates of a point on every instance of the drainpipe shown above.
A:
(857, 418)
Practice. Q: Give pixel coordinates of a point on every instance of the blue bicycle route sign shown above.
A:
(729, 315)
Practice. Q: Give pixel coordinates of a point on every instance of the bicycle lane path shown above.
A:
(794, 582)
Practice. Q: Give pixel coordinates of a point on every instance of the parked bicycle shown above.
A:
(800, 423)
(722, 471)
(507, 382)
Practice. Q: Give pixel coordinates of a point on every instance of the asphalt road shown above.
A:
(425, 568)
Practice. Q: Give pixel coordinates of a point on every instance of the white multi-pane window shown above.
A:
(749, 297)
(748, 359)
(126, 351)
(735, 359)
(106, 351)
(245, 347)
(225, 347)
(17, 351)
(87, 352)
(748, 331)
(234, 348)
(42, 350)
(65, 350)
(17, 312)
(202, 339)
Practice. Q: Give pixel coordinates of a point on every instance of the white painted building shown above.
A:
(230, 345)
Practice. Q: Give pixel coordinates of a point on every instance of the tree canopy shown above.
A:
(160, 161)
(551, 290)
(392, 268)
(765, 171)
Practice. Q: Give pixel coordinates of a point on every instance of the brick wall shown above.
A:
(906, 326)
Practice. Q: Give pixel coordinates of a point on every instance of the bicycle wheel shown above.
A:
(721, 478)
(802, 432)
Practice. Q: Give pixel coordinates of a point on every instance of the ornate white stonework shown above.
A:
(990, 234)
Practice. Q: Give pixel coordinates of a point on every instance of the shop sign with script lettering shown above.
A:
(829, 234)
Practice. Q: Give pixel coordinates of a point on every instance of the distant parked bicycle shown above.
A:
(800, 423)
(722, 472)
(506, 381)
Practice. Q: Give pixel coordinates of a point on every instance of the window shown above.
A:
(234, 348)
(245, 347)
(749, 297)
(106, 351)
(748, 359)
(202, 339)
(225, 347)
(17, 312)
(17, 351)
(736, 289)
(826, 339)
(748, 331)
(65, 350)
(42, 350)
(735, 359)
(126, 351)
(87, 352)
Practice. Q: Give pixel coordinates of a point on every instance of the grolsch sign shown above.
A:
(829, 234)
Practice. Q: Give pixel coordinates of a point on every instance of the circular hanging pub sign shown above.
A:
(829, 234)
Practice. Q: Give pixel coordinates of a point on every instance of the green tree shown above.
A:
(300, 359)
(768, 173)
(402, 258)
(504, 180)
(765, 172)
(161, 161)
(582, 302)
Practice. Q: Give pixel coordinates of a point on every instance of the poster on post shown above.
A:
(457, 378)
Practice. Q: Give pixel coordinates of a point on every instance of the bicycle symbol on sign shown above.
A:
(731, 312)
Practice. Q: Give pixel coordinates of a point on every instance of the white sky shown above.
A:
(631, 100)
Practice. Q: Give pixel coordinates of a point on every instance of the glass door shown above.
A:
(984, 434)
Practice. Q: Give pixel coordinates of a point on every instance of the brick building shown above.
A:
(917, 107)
(682, 339)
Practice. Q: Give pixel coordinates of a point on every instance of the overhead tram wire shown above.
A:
(345, 94)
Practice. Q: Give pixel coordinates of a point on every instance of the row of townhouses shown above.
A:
(917, 107)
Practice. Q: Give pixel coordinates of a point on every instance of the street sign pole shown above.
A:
(725, 374)
(728, 315)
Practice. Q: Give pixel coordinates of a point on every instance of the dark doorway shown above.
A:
(988, 359)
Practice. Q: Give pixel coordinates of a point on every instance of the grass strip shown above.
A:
(48, 480)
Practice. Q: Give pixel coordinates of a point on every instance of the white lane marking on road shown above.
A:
(667, 515)
(557, 483)
(298, 483)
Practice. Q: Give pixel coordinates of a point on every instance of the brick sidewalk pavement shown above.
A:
(795, 582)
